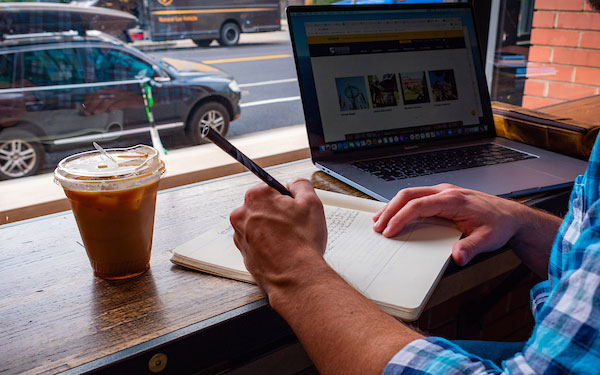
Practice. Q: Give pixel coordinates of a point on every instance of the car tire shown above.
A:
(21, 154)
(230, 34)
(202, 42)
(213, 114)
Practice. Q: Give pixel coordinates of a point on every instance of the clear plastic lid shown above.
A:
(92, 170)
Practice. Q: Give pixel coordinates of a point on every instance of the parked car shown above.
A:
(60, 90)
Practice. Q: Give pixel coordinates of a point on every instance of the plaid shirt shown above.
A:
(566, 337)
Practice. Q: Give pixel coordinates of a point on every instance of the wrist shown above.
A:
(310, 273)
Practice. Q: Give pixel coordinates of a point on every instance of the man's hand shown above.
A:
(281, 238)
(487, 221)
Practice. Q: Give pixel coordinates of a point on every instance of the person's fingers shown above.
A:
(235, 218)
(427, 206)
(466, 248)
(379, 212)
(257, 193)
(300, 186)
(303, 191)
(402, 199)
(237, 241)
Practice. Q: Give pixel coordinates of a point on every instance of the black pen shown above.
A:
(224, 144)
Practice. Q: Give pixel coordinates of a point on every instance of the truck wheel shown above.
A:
(213, 114)
(20, 154)
(202, 42)
(230, 34)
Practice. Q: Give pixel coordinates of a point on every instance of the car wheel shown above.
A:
(20, 154)
(230, 34)
(213, 114)
(202, 42)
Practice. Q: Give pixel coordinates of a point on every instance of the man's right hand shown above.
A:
(487, 221)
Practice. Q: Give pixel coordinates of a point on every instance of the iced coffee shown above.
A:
(113, 198)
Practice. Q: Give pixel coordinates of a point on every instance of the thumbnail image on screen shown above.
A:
(443, 85)
(384, 92)
(352, 93)
(414, 88)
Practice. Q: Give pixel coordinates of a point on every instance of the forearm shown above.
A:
(341, 330)
(534, 238)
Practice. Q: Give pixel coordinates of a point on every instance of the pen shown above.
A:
(224, 144)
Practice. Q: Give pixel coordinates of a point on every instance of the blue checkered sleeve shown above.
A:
(566, 337)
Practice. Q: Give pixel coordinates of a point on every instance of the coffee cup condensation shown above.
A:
(113, 201)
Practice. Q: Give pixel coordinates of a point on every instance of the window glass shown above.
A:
(49, 67)
(109, 65)
(6, 70)
(543, 53)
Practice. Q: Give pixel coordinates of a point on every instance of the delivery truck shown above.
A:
(200, 20)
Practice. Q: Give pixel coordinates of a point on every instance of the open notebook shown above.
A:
(398, 274)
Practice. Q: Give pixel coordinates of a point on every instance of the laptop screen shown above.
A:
(375, 77)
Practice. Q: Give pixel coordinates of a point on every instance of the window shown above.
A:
(50, 67)
(113, 65)
(537, 53)
(7, 70)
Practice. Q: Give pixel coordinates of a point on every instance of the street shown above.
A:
(270, 94)
(262, 64)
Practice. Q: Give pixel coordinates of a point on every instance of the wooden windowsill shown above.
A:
(35, 196)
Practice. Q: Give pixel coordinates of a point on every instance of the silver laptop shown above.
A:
(395, 96)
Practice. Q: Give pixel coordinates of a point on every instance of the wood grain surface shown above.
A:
(56, 315)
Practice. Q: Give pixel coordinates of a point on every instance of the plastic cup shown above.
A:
(114, 206)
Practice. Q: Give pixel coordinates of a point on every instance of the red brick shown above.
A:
(579, 21)
(533, 102)
(552, 37)
(559, 4)
(588, 76)
(569, 91)
(579, 57)
(550, 72)
(536, 88)
(590, 39)
(544, 19)
(540, 54)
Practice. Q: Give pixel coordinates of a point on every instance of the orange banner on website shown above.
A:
(405, 37)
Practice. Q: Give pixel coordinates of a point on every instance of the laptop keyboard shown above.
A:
(407, 166)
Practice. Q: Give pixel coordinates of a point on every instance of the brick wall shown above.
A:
(564, 58)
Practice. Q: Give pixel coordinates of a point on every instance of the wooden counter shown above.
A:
(56, 316)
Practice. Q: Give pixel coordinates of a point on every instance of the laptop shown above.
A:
(395, 96)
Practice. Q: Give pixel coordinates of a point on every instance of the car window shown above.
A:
(110, 65)
(51, 67)
(6, 70)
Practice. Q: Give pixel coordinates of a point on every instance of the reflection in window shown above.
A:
(6, 70)
(113, 65)
(545, 52)
(52, 67)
